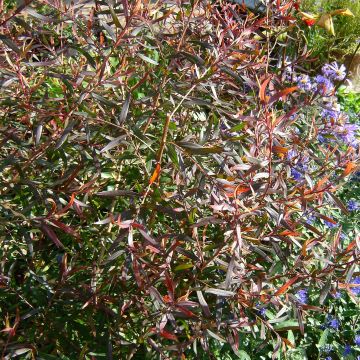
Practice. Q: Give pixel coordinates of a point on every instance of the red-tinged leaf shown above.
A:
(147, 237)
(169, 284)
(68, 206)
(283, 93)
(349, 168)
(321, 182)
(327, 219)
(289, 233)
(153, 249)
(262, 91)
(310, 22)
(137, 273)
(167, 335)
(65, 228)
(167, 299)
(237, 190)
(155, 174)
(50, 233)
(11, 331)
(350, 246)
(284, 288)
(185, 311)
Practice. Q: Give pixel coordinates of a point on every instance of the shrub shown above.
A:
(169, 182)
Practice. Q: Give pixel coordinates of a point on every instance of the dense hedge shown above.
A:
(169, 184)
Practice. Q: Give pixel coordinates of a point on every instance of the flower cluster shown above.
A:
(337, 126)
(334, 72)
(353, 205)
(322, 84)
(299, 165)
(302, 296)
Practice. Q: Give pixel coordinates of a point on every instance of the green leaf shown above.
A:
(243, 355)
(287, 325)
(147, 59)
(183, 266)
(323, 338)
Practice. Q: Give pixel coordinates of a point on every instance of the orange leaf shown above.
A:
(283, 289)
(263, 88)
(280, 149)
(283, 93)
(303, 248)
(350, 167)
(156, 173)
(289, 233)
(239, 190)
(309, 22)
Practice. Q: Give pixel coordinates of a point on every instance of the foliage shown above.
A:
(347, 30)
(169, 184)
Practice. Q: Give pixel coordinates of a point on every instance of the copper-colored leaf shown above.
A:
(155, 174)
(283, 93)
(284, 288)
(263, 89)
(349, 168)
(280, 149)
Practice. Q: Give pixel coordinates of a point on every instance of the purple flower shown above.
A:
(328, 358)
(356, 289)
(322, 139)
(330, 114)
(337, 295)
(334, 323)
(296, 174)
(304, 83)
(357, 339)
(326, 70)
(262, 311)
(291, 154)
(347, 350)
(323, 85)
(302, 296)
(347, 133)
(334, 72)
(310, 219)
(353, 205)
